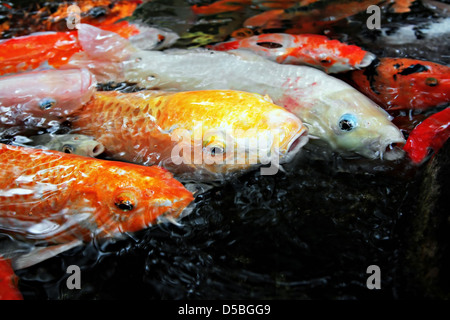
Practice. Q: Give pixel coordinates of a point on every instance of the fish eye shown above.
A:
(432, 82)
(348, 122)
(125, 201)
(67, 149)
(47, 103)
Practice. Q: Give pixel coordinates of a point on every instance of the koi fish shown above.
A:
(311, 18)
(318, 51)
(401, 83)
(50, 197)
(68, 143)
(220, 6)
(53, 15)
(214, 131)
(428, 137)
(37, 98)
(54, 49)
(8, 282)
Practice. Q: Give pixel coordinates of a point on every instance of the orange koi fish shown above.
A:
(215, 129)
(312, 18)
(401, 83)
(8, 282)
(56, 48)
(428, 137)
(53, 15)
(318, 51)
(50, 197)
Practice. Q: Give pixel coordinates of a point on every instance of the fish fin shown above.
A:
(39, 254)
(102, 44)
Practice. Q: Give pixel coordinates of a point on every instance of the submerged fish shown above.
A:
(310, 18)
(35, 17)
(54, 198)
(428, 137)
(401, 83)
(37, 98)
(8, 282)
(68, 143)
(54, 49)
(318, 51)
(204, 135)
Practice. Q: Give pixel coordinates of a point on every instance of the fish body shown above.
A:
(215, 131)
(318, 51)
(322, 102)
(8, 282)
(402, 83)
(54, 49)
(429, 136)
(68, 143)
(39, 97)
(49, 197)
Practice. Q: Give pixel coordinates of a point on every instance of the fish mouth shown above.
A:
(96, 149)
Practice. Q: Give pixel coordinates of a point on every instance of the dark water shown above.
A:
(310, 232)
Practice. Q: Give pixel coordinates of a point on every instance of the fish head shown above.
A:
(235, 131)
(134, 197)
(353, 124)
(48, 94)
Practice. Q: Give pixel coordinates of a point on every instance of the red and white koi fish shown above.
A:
(318, 51)
(402, 83)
